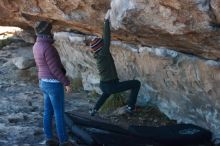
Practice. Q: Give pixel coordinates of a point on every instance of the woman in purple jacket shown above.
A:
(51, 74)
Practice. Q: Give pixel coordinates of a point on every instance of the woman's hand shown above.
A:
(68, 89)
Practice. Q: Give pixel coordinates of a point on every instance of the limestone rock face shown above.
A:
(23, 63)
(180, 25)
(184, 87)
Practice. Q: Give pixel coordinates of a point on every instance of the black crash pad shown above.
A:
(116, 139)
(86, 120)
(178, 134)
(114, 135)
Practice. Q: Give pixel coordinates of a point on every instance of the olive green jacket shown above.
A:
(104, 60)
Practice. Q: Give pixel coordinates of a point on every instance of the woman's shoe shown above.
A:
(68, 143)
(52, 142)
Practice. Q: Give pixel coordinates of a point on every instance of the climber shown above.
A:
(109, 82)
(52, 80)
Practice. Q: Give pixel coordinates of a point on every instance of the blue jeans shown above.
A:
(114, 86)
(54, 105)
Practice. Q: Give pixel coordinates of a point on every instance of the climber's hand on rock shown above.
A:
(107, 15)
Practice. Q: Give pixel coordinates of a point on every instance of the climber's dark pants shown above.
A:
(114, 86)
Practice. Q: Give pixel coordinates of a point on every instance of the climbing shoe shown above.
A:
(92, 112)
(129, 110)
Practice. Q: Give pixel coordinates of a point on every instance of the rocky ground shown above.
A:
(21, 101)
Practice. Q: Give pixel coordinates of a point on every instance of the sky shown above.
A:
(10, 30)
